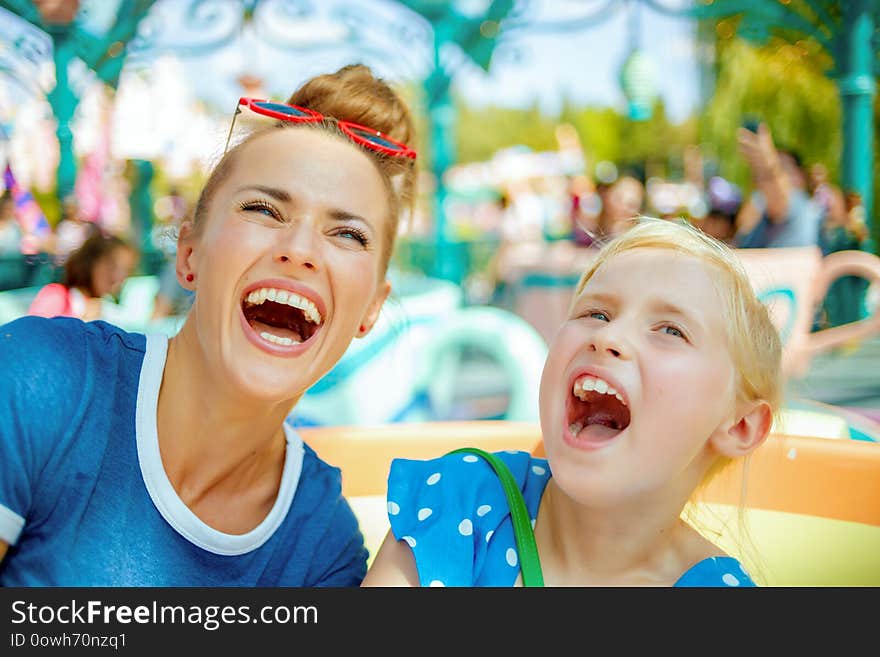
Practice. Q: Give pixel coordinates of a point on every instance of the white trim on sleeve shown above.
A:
(11, 525)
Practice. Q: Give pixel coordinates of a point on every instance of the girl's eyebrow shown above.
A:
(669, 308)
(601, 297)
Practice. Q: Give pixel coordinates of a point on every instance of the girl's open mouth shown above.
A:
(595, 412)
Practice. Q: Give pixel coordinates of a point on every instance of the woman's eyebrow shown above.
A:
(345, 215)
(278, 194)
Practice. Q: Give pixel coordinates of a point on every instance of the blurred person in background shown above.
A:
(10, 230)
(843, 229)
(608, 211)
(172, 298)
(72, 231)
(779, 212)
(723, 199)
(621, 204)
(97, 269)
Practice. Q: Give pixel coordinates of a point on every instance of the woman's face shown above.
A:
(110, 271)
(287, 263)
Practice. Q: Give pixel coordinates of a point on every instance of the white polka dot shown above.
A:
(489, 534)
(470, 458)
(410, 541)
(538, 470)
(424, 513)
(393, 508)
(792, 454)
(433, 479)
(436, 582)
(511, 451)
(511, 557)
(534, 520)
(466, 527)
(729, 579)
(483, 509)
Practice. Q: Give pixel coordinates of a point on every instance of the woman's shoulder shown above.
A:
(716, 571)
(57, 338)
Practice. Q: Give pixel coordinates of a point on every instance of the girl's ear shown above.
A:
(749, 430)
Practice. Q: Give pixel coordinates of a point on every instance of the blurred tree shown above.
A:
(784, 86)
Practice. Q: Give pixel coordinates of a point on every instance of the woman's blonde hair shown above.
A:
(353, 94)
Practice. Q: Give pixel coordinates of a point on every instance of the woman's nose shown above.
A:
(299, 246)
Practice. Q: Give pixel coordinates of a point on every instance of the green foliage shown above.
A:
(481, 132)
(605, 134)
(782, 85)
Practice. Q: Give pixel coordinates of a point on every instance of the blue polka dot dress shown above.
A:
(453, 514)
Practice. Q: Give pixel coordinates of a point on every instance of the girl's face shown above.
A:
(638, 380)
(287, 264)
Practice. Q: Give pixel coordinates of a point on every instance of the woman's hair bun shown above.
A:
(354, 94)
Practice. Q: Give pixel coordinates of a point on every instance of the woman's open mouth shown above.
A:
(595, 413)
(280, 320)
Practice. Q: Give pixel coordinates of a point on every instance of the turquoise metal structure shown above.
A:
(104, 54)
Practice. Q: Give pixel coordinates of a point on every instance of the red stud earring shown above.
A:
(190, 278)
(362, 328)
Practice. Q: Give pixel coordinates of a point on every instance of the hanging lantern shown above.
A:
(638, 78)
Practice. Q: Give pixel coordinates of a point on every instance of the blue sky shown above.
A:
(532, 68)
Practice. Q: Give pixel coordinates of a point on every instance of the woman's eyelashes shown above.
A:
(265, 208)
(261, 207)
(354, 234)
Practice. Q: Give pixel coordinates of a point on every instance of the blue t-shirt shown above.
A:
(84, 498)
(453, 514)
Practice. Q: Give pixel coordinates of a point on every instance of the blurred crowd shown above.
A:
(79, 264)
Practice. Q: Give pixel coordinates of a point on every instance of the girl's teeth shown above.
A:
(589, 384)
(575, 428)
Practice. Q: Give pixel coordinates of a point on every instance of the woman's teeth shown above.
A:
(274, 338)
(257, 297)
(587, 383)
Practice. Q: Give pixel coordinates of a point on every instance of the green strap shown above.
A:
(529, 562)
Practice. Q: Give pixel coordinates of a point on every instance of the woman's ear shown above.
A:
(372, 313)
(184, 260)
(750, 428)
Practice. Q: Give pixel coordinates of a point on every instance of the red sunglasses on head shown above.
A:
(367, 137)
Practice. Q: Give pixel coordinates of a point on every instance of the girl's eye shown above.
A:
(671, 330)
(261, 207)
(598, 314)
(352, 233)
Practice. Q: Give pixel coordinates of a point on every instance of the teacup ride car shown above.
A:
(810, 505)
